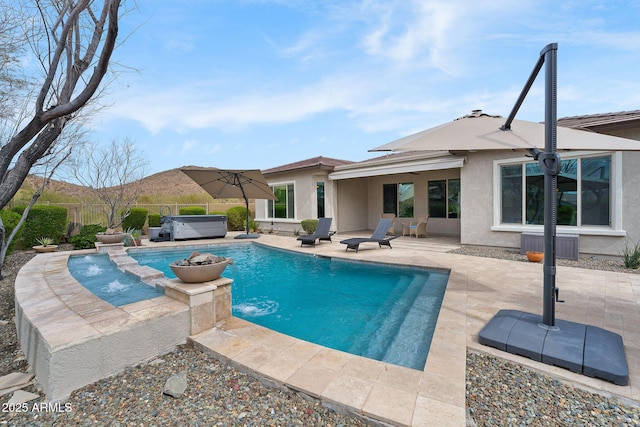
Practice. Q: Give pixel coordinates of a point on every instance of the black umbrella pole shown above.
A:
(551, 168)
(246, 201)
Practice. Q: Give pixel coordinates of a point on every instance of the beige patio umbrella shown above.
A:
(232, 184)
(480, 131)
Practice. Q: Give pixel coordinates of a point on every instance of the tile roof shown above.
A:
(319, 162)
(617, 120)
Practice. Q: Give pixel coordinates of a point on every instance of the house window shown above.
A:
(397, 199)
(320, 198)
(444, 198)
(583, 193)
(284, 205)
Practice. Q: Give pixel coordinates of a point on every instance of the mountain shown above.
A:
(171, 184)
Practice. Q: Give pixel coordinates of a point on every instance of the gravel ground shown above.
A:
(588, 262)
(498, 392)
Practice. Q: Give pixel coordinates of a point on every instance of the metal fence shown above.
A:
(95, 213)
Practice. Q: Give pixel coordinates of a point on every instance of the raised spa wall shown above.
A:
(72, 338)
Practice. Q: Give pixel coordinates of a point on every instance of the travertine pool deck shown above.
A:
(477, 289)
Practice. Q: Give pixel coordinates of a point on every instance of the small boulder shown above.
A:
(176, 385)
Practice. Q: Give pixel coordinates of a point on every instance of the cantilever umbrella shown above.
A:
(232, 184)
(480, 131)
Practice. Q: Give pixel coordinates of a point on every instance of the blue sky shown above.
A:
(256, 84)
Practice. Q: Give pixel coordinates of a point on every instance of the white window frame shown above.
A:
(295, 207)
(615, 203)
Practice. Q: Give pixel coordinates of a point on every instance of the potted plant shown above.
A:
(534, 256)
(198, 268)
(45, 245)
(110, 236)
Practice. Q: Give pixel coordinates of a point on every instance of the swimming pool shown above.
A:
(100, 275)
(383, 312)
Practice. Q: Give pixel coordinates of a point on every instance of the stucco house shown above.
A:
(487, 198)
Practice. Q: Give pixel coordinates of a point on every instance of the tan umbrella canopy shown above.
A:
(232, 184)
(480, 131)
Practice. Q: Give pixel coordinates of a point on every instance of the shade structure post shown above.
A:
(550, 163)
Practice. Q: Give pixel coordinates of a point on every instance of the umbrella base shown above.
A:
(581, 348)
(247, 236)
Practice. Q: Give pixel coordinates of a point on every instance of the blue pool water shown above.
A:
(100, 275)
(385, 313)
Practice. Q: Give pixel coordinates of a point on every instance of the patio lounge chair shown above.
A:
(322, 233)
(379, 236)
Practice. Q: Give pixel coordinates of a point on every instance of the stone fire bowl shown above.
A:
(199, 273)
(110, 238)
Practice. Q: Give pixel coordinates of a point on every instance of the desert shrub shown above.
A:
(236, 218)
(192, 210)
(136, 219)
(86, 239)
(309, 225)
(10, 219)
(631, 256)
(154, 220)
(43, 221)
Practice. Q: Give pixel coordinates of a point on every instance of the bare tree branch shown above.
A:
(114, 175)
(60, 88)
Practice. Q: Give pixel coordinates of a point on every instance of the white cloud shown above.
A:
(195, 107)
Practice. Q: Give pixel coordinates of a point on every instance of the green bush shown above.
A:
(10, 219)
(192, 210)
(309, 225)
(136, 219)
(217, 213)
(43, 221)
(86, 239)
(154, 220)
(236, 218)
(631, 256)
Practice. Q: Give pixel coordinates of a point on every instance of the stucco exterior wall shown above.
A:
(476, 202)
(352, 205)
(306, 206)
(477, 207)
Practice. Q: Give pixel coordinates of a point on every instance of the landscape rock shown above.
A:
(22, 396)
(197, 258)
(13, 381)
(176, 385)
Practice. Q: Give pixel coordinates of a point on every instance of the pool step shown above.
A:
(146, 274)
(374, 343)
(121, 258)
(125, 263)
(411, 343)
